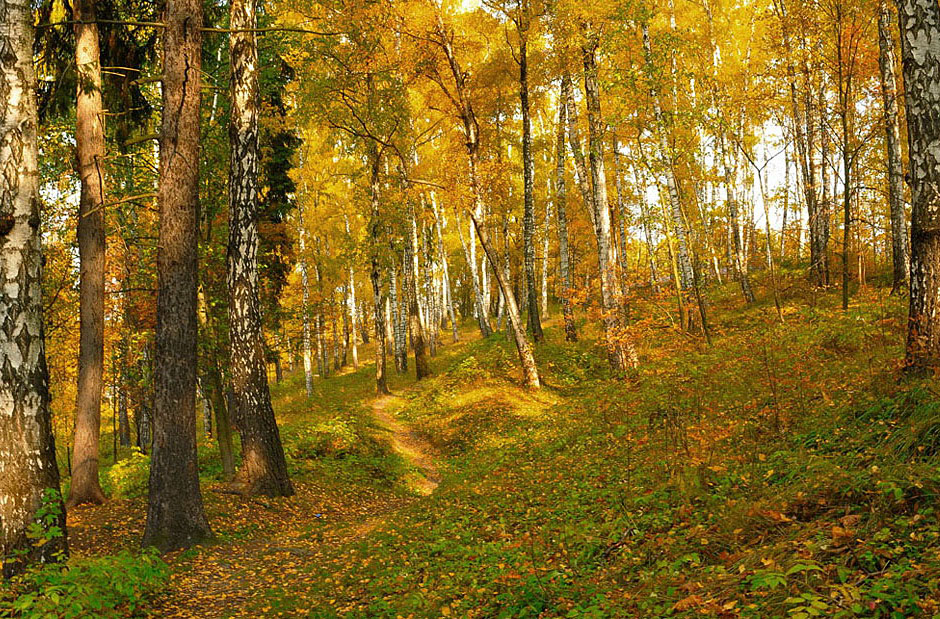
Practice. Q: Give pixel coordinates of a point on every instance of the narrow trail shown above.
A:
(406, 442)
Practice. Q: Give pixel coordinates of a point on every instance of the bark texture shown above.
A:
(175, 514)
(619, 353)
(533, 319)
(561, 206)
(89, 143)
(381, 381)
(920, 55)
(264, 468)
(27, 450)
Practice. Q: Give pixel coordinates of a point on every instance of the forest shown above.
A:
(470, 308)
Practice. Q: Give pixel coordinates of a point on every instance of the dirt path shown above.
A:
(415, 450)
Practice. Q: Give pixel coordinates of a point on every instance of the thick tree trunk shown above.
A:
(546, 248)
(399, 325)
(920, 56)
(29, 476)
(619, 353)
(900, 249)
(264, 468)
(89, 144)
(561, 206)
(533, 320)
(175, 515)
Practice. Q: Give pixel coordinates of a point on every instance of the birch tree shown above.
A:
(28, 472)
(920, 56)
(264, 468)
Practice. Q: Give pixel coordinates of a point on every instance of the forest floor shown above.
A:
(787, 470)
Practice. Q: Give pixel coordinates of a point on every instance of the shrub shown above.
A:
(112, 586)
(130, 477)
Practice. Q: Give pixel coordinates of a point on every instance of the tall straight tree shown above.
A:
(264, 468)
(533, 321)
(89, 143)
(561, 206)
(27, 449)
(889, 98)
(920, 56)
(619, 356)
(175, 515)
(375, 273)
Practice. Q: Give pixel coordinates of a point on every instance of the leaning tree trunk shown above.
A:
(619, 355)
(89, 144)
(533, 320)
(29, 475)
(920, 56)
(264, 468)
(889, 95)
(472, 132)
(577, 155)
(175, 515)
(561, 206)
(526, 358)
(469, 252)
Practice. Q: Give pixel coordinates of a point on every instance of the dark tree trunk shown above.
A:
(920, 30)
(264, 468)
(89, 143)
(27, 447)
(533, 320)
(175, 515)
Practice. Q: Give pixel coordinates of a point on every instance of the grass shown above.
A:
(788, 470)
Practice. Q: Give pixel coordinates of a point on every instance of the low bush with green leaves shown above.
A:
(111, 586)
(130, 477)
